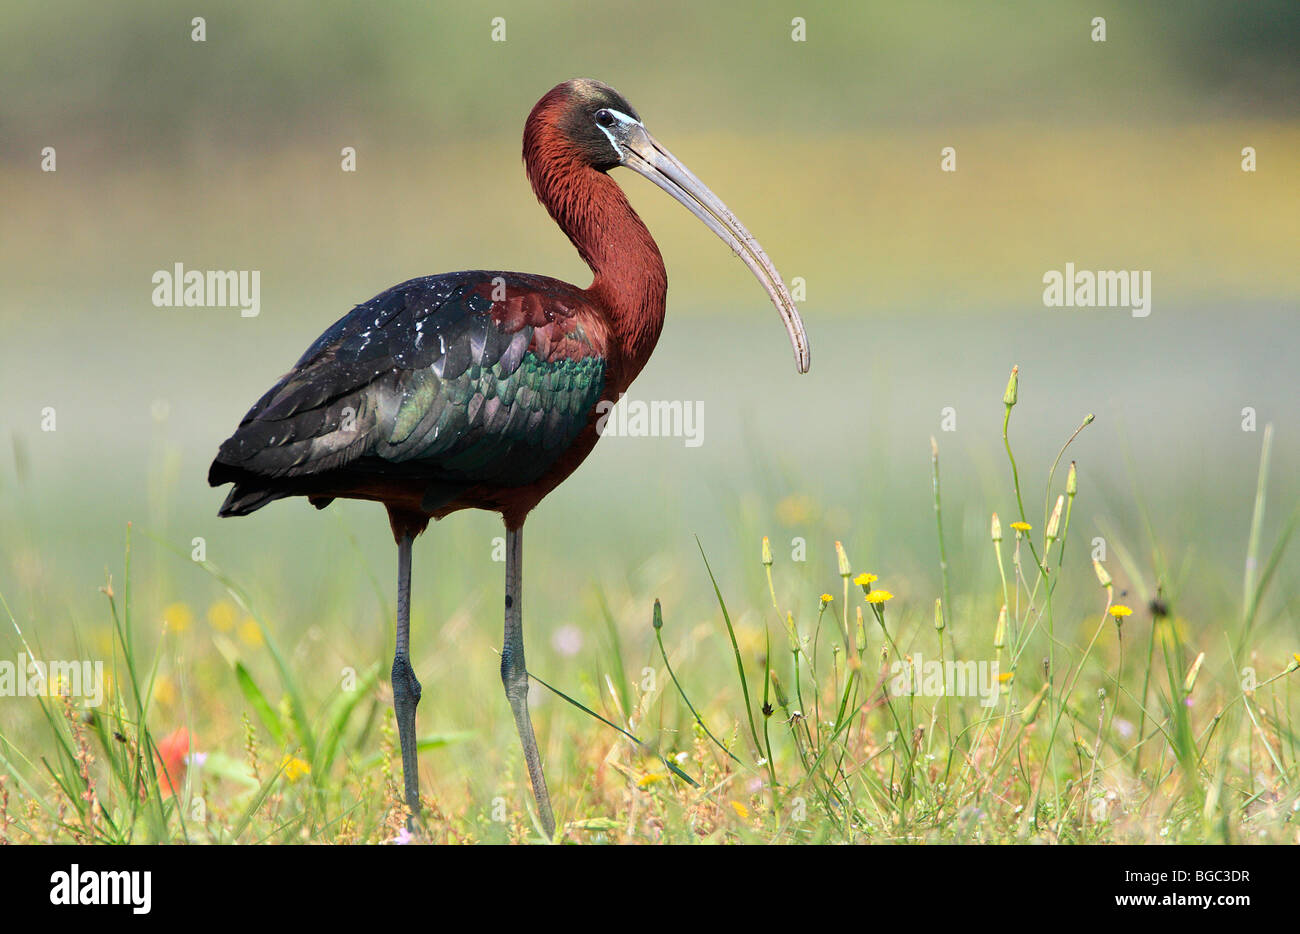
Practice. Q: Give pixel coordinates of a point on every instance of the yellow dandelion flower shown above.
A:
(863, 580)
(1119, 610)
(223, 615)
(1295, 664)
(294, 768)
(650, 778)
(177, 617)
(1021, 526)
(1006, 676)
(164, 690)
(741, 811)
(795, 510)
(879, 596)
(826, 598)
(250, 633)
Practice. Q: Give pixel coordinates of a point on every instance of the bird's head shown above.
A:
(599, 128)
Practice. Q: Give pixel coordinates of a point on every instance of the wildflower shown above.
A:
(250, 633)
(1030, 713)
(1021, 526)
(170, 760)
(1119, 611)
(404, 836)
(795, 510)
(650, 778)
(826, 599)
(223, 615)
(177, 617)
(1053, 524)
(865, 581)
(843, 560)
(1295, 665)
(164, 690)
(1013, 388)
(879, 596)
(294, 768)
(567, 640)
(741, 811)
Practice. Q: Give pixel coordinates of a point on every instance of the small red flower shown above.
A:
(173, 751)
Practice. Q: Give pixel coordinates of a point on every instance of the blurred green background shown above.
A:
(923, 288)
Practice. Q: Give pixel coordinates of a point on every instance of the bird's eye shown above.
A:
(604, 118)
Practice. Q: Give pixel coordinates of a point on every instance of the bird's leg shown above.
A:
(406, 690)
(514, 675)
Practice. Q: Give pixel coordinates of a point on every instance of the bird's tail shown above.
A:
(247, 496)
(244, 500)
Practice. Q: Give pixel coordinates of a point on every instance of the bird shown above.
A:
(480, 389)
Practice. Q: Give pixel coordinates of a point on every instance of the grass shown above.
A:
(772, 715)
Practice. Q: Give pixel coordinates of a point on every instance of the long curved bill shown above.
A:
(644, 155)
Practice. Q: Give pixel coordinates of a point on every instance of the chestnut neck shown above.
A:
(630, 285)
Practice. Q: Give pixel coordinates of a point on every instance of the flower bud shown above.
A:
(846, 569)
(1030, 713)
(1054, 523)
(1013, 388)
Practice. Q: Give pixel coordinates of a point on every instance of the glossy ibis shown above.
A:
(479, 390)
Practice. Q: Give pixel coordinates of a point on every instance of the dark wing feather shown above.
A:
(432, 379)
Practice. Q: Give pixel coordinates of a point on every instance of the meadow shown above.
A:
(1150, 710)
(716, 632)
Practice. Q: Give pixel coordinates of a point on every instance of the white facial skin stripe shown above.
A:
(623, 120)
